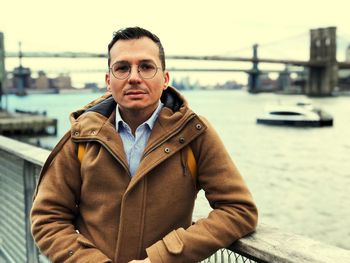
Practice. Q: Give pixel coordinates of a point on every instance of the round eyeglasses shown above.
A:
(122, 70)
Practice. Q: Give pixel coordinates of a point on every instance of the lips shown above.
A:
(134, 92)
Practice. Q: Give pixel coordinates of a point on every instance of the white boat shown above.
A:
(302, 114)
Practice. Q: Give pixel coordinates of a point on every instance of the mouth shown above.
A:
(135, 93)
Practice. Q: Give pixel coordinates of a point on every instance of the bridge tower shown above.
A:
(253, 80)
(323, 69)
(2, 68)
(21, 75)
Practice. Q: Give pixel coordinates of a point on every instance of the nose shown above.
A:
(134, 76)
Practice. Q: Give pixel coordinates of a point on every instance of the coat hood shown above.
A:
(105, 104)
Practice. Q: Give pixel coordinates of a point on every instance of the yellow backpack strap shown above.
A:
(81, 151)
(192, 164)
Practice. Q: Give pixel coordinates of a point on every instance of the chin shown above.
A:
(136, 106)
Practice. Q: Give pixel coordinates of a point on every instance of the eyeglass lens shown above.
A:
(122, 70)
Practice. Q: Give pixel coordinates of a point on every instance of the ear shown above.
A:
(108, 81)
(166, 79)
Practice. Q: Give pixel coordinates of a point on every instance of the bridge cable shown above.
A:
(283, 40)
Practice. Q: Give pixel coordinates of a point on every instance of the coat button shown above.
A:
(76, 133)
(167, 150)
(182, 140)
(70, 252)
(93, 132)
(198, 126)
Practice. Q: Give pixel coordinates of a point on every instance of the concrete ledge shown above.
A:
(273, 245)
(23, 150)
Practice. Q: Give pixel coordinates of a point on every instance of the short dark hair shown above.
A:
(136, 33)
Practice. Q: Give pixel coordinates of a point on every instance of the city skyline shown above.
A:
(185, 28)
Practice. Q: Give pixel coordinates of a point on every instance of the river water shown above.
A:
(299, 177)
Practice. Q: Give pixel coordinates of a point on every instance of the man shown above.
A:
(130, 196)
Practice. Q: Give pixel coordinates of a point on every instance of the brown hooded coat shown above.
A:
(93, 211)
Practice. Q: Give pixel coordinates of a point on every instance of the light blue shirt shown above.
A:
(135, 145)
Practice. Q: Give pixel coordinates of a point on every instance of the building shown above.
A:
(42, 82)
(63, 81)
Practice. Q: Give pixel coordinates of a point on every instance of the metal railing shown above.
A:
(20, 165)
(228, 256)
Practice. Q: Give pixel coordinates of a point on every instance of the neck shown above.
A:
(135, 117)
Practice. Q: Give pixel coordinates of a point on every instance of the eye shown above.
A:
(147, 66)
(121, 68)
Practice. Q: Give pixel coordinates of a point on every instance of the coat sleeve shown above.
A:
(55, 207)
(234, 213)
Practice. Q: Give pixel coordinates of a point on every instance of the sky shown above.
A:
(221, 27)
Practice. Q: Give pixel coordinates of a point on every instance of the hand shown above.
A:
(146, 260)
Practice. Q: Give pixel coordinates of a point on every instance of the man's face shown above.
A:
(134, 92)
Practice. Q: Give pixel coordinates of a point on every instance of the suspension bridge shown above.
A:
(320, 70)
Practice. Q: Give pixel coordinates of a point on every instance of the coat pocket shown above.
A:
(173, 243)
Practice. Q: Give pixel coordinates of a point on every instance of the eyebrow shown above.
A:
(142, 60)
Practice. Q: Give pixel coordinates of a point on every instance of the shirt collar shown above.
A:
(150, 122)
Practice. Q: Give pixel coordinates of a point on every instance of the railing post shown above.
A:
(29, 172)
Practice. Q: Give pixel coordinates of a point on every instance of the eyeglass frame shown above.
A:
(138, 70)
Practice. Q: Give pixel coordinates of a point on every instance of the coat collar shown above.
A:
(105, 104)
